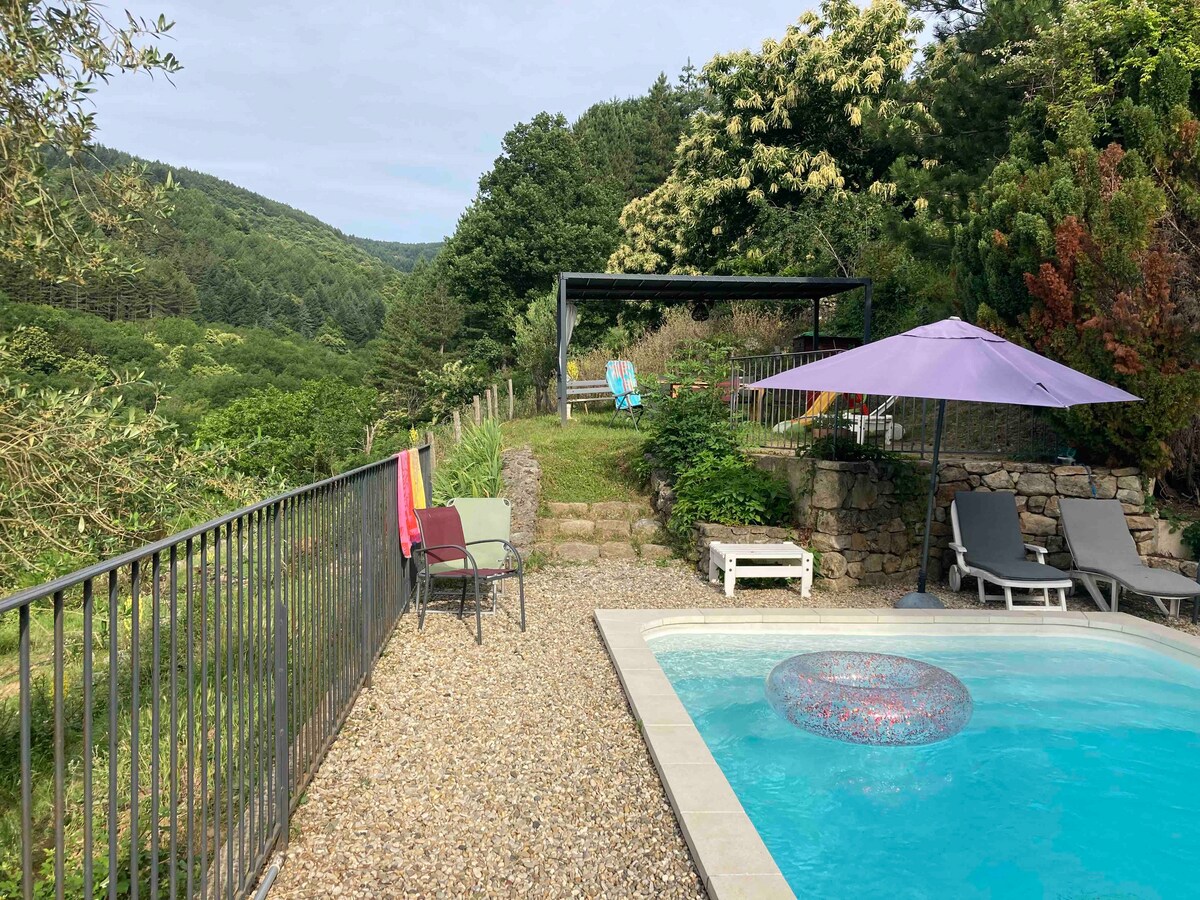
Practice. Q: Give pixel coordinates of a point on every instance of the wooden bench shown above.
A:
(587, 392)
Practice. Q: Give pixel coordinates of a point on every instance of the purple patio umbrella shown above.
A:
(948, 360)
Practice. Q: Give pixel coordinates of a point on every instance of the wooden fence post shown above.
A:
(495, 401)
(510, 399)
(478, 417)
(457, 428)
(487, 402)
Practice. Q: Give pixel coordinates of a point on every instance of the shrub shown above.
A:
(746, 328)
(682, 429)
(299, 436)
(85, 476)
(449, 388)
(729, 490)
(1191, 538)
(472, 469)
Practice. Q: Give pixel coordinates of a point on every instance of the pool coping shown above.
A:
(726, 848)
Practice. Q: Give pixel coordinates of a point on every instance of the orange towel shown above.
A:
(418, 480)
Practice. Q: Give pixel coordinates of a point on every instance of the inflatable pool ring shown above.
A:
(869, 698)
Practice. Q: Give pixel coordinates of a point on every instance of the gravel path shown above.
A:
(513, 769)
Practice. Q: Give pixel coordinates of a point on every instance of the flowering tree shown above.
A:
(802, 118)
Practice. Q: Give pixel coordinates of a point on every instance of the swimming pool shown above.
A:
(1077, 776)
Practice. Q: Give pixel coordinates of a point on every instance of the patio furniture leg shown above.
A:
(730, 576)
(478, 612)
(521, 593)
(1062, 599)
(1173, 610)
(422, 601)
(1089, 583)
(462, 601)
(982, 591)
(1114, 596)
(1008, 597)
(712, 567)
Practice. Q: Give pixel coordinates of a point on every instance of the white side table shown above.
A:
(787, 560)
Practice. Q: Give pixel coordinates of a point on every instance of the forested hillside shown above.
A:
(397, 255)
(229, 255)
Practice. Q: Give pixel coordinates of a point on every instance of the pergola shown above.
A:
(584, 287)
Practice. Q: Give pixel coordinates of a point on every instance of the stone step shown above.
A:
(600, 530)
(608, 510)
(577, 551)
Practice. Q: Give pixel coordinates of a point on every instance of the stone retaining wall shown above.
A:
(522, 478)
(866, 535)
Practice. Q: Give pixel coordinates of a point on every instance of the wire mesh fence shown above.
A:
(161, 713)
(794, 420)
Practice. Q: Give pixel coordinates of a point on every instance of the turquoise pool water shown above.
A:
(1078, 775)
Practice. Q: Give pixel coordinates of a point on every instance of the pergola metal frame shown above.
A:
(584, 287)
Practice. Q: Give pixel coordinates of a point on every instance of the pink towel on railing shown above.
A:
(410, 532)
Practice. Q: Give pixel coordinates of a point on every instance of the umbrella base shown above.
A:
(919, 600)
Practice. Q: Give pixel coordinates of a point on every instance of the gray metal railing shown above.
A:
(167, 708)
(782, 419)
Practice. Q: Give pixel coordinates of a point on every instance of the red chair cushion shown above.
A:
(441, 525)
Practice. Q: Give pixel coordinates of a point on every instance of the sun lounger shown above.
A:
(988, 545)
(1103, 550)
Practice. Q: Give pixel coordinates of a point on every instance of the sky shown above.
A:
(379, 117)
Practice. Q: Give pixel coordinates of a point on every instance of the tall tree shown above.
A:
(421, 324)
(1083, 240)
(631, 142)
(536, 214)
(801, 118)
(971, 93)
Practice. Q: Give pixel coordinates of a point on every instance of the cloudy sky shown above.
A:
(378, 116)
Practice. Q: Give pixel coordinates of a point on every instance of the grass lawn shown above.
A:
(585, 462)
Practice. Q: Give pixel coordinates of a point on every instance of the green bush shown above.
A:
(85, 476)
(681, 430)
(299, 436)
(1191, 538)
(472, 469)
(449, 388)
(728, 490)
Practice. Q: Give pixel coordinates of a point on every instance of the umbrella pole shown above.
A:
(933, 485)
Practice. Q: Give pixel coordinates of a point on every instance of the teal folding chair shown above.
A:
(622, 380)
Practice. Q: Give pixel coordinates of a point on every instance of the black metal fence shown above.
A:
(166, 709)
(792, 420)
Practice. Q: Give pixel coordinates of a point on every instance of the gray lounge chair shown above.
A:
(988, 545)
(1103, 550)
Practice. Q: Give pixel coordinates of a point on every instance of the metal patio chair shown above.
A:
(444, 554)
